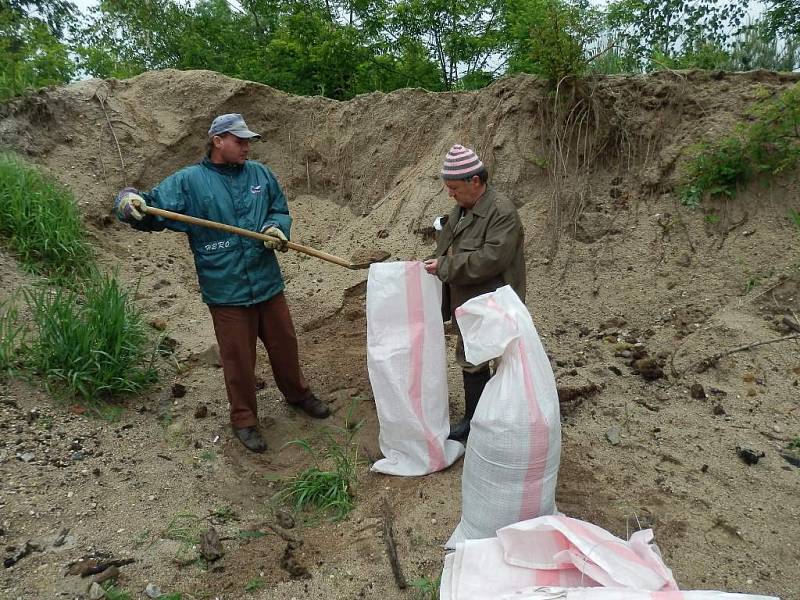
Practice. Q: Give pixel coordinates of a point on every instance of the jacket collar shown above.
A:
(223, 169)
(481, 209)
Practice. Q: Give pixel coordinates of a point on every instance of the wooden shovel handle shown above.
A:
(247, 233)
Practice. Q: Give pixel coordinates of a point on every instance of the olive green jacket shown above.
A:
(487, 251)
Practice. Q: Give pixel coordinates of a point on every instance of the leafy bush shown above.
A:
(770, 144)
(41, 220)
(93, 345)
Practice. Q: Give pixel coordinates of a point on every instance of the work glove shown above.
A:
(130, 205)
(280, 242)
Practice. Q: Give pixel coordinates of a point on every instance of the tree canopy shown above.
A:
(340, 48)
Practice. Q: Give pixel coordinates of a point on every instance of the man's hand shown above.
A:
(431, 265)
(280, 242)
(130, 205)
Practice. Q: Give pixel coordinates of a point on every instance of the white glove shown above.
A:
(131, 205)
(280, 242)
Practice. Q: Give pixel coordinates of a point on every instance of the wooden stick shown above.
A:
(712, 359)
(251, 234)
(391, 549)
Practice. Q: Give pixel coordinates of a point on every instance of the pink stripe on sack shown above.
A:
(539, 445)
(671, 595)
(618, 547)
(538, 448)
(416, 318)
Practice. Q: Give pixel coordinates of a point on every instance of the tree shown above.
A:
(462, 36)
(31, 53)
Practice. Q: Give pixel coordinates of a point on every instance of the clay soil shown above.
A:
(614, 260)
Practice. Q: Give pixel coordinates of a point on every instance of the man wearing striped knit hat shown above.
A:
(479, 248)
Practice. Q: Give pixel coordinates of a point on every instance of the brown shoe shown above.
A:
(251, 438)
(313, 407)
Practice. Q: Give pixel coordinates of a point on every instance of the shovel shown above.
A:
(260, 236)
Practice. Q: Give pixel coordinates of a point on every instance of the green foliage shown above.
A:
(793, 215)
(12, 337)
(426, 588)
(550, 37)
(115, 593)
(224, 514)
(256, 583)
(92, 345)
(770, 144)
(328, 484)
(184, 527)
(39, 218)
(31, 54)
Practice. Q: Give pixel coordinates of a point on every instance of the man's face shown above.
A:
(231, 149)
(464, 192)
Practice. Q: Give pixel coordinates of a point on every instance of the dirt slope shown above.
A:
(614, 260)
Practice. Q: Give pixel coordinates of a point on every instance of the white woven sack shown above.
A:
(602, 593)
(514, 446)
(408, 369)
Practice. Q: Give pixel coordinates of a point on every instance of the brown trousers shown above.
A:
(237, 328)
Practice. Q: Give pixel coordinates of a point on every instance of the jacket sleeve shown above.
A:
(278, 210)
(473, 267)
(171, 194)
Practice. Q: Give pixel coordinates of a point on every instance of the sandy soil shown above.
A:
(614, 260)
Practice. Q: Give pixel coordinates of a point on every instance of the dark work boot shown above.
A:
(473, 388)
(313, 407)
(251, 438)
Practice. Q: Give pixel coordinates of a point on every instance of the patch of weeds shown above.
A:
(795, 217)
(426, 588)
(39, 218)
(91, 345)
(794, 444)
(12, 338)
(256, 583)
(224, 514)
(114, 593)
(141, 538)
(208, 455)
(328, 484)
(247, 534)
(171, 596)
(712, 218)
(769, 143)
(186, 528)
(751, 284)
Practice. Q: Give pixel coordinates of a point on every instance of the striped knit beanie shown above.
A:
(461, 163)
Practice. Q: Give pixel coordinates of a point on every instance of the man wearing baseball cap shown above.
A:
(240, 278)
(479, 248)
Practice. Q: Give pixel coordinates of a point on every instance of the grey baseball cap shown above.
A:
(232, 123)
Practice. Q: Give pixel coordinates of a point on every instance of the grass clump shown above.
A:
(426, 588)
(769, 144)
(328, 485)
(40, 219)
(12, 338)
(93, 345)
(256, 583)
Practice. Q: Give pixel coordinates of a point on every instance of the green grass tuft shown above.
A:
(40, 219)
(94, 345)
(12, 338)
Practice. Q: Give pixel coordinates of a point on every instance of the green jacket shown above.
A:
(232, 270)
(487, 246)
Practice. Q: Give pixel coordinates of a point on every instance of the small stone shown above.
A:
(697, 392)
(96, 592)
(26, 456)
(178, 390)
(201, 412)
(433, 521)
(152, 591)
(719, 410)
(613, 435)
(158, 324)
